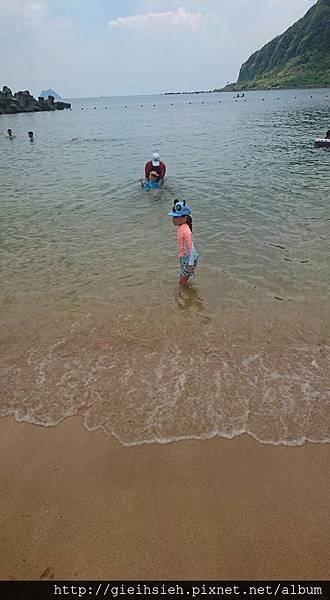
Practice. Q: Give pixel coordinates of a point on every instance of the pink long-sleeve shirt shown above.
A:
(185, 243)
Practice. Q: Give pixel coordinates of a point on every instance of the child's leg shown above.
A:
(185, 271)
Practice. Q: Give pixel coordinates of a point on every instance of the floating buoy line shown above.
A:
(202, 102)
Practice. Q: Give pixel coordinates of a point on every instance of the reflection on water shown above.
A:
(93, 319)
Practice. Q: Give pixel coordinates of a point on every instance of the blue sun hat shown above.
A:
(180, 209)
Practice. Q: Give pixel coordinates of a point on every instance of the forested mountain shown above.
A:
(300, 57)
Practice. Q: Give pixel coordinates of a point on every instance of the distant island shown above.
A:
(298, 58)
(50, 92)
(21, 102)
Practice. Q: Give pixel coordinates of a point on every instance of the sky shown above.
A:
(95, 48)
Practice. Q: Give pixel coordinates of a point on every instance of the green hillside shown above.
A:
(300, 57)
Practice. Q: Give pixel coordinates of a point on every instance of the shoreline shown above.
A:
(261, 372)
(244, 89)
(79, 505)
(295, 443)
(273, 89)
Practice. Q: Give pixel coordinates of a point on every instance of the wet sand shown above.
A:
(78, 505)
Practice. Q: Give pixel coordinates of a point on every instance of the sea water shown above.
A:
(93, 321)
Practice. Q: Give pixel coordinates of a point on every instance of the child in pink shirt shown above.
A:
(181, 214)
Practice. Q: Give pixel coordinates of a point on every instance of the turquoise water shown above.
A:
(93, 319)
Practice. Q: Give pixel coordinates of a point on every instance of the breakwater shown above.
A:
(23, 101)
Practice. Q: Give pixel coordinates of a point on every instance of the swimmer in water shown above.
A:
(10, 135)
(157, 165)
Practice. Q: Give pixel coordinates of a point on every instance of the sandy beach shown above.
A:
(78, 505)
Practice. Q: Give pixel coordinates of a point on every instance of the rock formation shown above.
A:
(23, 102)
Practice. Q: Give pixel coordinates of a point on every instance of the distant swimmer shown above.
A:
(155, 164)
(323, 142)
(10, 135)
(30, 134)
(153, 183)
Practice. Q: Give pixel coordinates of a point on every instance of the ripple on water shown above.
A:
(246, 348)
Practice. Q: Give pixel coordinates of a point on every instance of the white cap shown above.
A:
(155, 159)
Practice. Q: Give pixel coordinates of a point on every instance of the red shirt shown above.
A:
(161, 170)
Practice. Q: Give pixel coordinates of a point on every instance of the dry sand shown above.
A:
(78, 505)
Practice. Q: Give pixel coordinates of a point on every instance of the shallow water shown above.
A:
(93, 320)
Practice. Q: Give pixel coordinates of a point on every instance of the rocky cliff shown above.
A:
(300, 57)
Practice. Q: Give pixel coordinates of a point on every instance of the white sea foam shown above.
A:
(160, 396)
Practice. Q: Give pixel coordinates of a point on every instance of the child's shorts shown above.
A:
(184, 265)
